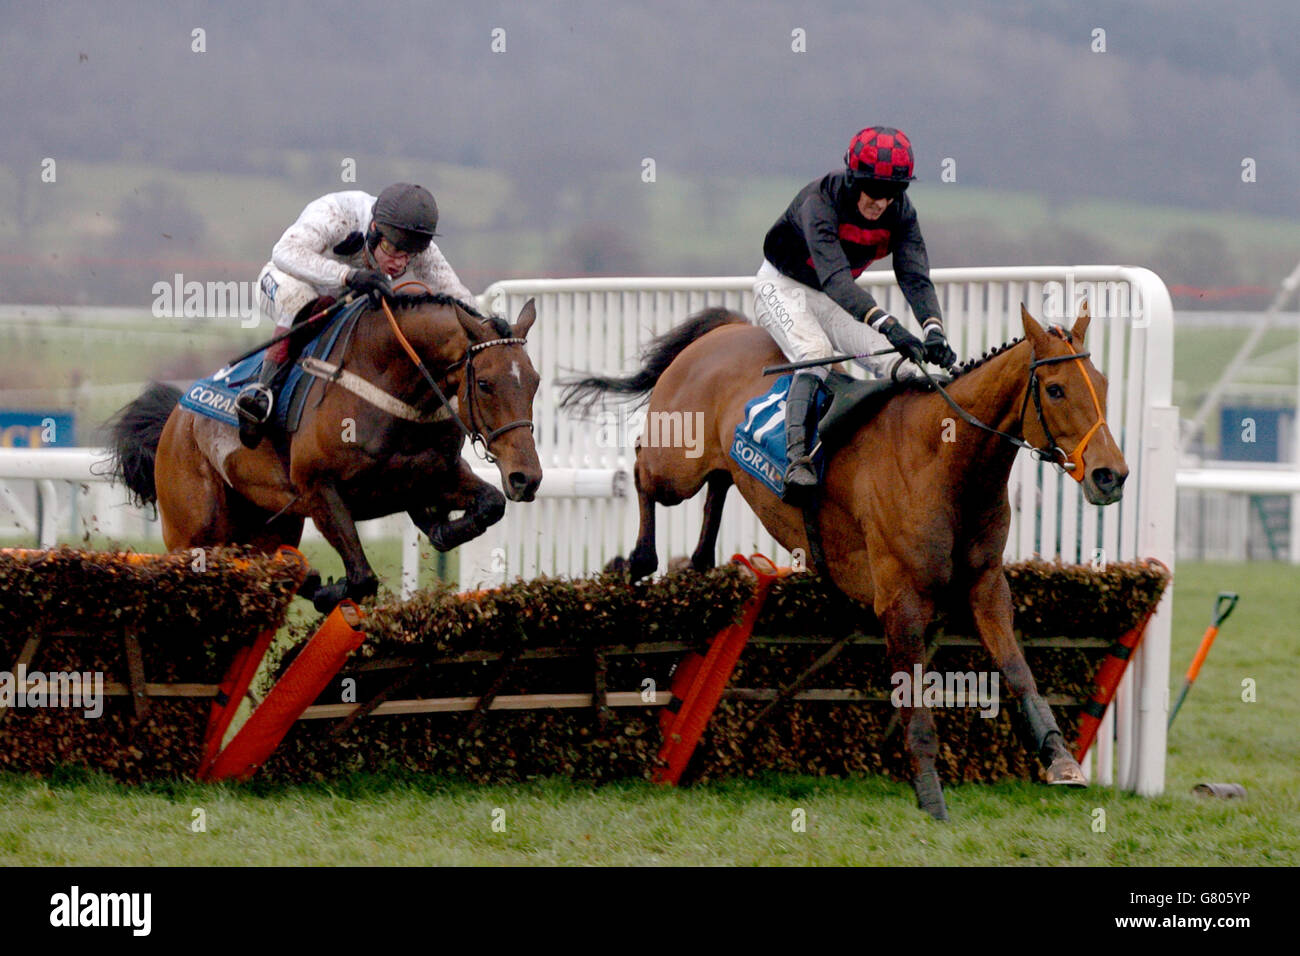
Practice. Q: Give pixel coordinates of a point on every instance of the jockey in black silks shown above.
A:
(344, 240)
(805, 293)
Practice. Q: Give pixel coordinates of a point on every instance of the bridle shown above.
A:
(1071, 464)
(477, 438)
(479, 441)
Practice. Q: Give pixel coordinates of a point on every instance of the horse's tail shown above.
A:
(655, 358)
(134, 434)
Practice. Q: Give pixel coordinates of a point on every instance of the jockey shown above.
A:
(805, 293)
(343, 240)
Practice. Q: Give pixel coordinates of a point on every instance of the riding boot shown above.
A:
(800, 426)
(255, 401)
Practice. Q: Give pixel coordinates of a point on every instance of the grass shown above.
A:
(398, 818)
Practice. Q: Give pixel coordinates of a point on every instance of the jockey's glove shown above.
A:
(937, 350)
(908, 345)
(372, 283)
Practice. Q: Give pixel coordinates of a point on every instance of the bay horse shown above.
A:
(373, 440)
(914, 512)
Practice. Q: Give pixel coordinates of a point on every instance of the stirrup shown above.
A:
(803, 467)
(249, 392)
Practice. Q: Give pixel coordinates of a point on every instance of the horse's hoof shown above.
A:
(438, 539)
(451, 534)
(1065, 771)
(328, 596)
(310, 585)
(704, 562)
(642, 565)
(929, 794)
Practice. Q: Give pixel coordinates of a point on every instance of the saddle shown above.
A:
(214, 396)
(855, 401)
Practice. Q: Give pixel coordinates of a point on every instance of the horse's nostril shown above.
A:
(518, 480)
(1103, 478)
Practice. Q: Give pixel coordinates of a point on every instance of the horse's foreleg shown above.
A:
(991, 606)
(905, 621)
(644, 559)
(483, 505)
(706, 551)
(334, 520)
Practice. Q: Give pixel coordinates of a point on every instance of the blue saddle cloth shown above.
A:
(214, 396)
(759, 442)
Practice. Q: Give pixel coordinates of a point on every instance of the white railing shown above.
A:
(1219, 494)
(100, 507)
(1284, 480)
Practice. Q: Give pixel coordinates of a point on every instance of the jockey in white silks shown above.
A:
(805, 294)
(344, 240)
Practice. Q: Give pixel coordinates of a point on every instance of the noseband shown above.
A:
(1072, 463)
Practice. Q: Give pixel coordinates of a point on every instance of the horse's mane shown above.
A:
(971, 364)
(406, 302)
(919, 383)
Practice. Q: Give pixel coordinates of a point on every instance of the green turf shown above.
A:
(401, 819)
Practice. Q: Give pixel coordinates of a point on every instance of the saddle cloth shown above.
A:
(758, 445)
(214, 396)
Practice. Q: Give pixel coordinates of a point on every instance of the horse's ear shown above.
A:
(474, 327)
(1033, 331)
(1081, 323)
(527, 316)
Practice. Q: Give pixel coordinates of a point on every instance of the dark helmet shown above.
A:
(879, 159)
(406, 215)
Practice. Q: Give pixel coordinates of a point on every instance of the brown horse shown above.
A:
(914, 511)
(374, 442)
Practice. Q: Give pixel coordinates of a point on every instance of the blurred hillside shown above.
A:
(188, 136)
(109, 231)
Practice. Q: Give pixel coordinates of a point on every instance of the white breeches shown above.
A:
(808, 324)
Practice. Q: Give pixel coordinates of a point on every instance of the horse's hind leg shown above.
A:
(705, 555)
(905, 621)
(644, 559)
(192, 504)
(990, 600)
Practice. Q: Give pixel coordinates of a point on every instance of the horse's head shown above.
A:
(496, 397)
(1065, 408)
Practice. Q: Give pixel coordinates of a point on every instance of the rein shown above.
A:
(472, 432)
(1071, 464)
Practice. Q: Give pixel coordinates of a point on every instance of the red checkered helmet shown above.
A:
(880, 156)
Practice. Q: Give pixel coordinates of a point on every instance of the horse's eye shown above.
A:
(484, 386)
(1055, 391)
